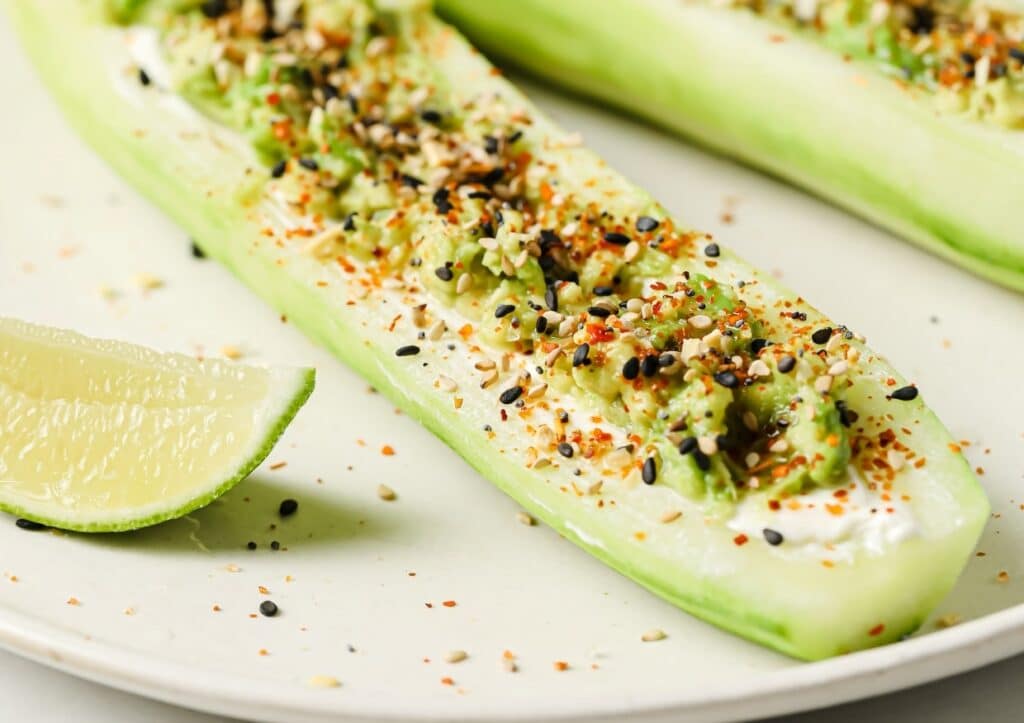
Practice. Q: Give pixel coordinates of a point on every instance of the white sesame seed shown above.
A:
(823, 383)
(653, 635)
(386, 493)
(525, 519)
(700, 321)
(436, 331)
(750, 421)
(707, 445)
(464, 284)
(491, 244)
(323, 681)
(752, 459)
(447, 383)
(489, 378)
(778, 446)
(895, 459)
(838, 369)
(455, 656)
(671, 516)
(484, 365)
(631, 251)
(758, 368)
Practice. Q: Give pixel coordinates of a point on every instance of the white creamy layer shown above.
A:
(816, 519)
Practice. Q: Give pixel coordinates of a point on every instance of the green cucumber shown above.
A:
(698, 533)
(777, 97)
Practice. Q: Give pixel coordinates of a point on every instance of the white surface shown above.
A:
(67, 226)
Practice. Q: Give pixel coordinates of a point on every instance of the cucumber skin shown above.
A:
(790, 107)
(823, 614)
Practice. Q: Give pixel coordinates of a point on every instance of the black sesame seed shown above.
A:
(430, 116)
(688, 445)
(579, 357)
(922, 19)
(756, 345)
(712, 250)
(511, 394)
(646, 223)
(787, 363)
(411, 181)
(250, 545)
(29, 524)
(407, 350)
(275, 545)
(603, 291)
(444, 273)
(549, 238)
(491, 144)
(650, 471)
(349, 224)
(214, 8)
(822, 335)
(441, 202)
(563, 417)
(649, 366)
(666, 360)
(614, 237)
(278, 169)
(599, 311)
(492, 176)
(772, 537)
(309, 164)
(504, 310)
(551, 298)
(515, 137)
(702, 460)
(846, 415)
(287, 507)
(968, 58)
(727, 380)
(565, 449)
(542, 324)
(905, 394)
(197, 252)
(144, 77)
(1017, 54)
(631, 369)
(268, 608)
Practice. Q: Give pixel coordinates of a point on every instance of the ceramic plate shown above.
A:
(375, 593)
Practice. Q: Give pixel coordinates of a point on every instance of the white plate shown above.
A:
(344, 575)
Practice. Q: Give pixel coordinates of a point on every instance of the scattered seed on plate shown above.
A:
(287, 507)
(30, 525)
(653, 635)
(323, 681)
(268, 608)
(386, 493)
(525, 519)
(455, 656)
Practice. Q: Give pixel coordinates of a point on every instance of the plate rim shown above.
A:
(807, 686)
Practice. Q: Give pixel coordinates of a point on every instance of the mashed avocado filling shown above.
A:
(968, 55)
(359, 133)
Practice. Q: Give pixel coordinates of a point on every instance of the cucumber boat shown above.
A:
(910, 114)
(637, 387)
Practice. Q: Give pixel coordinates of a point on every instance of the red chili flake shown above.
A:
(561, 665)
(774, 505)
(273, 98)
(877, 630)
(387, 450)
(447, 681)
(449, 603)
(740, 540)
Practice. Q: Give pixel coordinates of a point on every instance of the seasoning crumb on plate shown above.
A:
(386, 493)
(653, 635)
(525, 519)
(323, 681)
(455, 656)
(230, 351)
(147, 282)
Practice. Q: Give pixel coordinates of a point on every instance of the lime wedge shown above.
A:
(101, 436)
